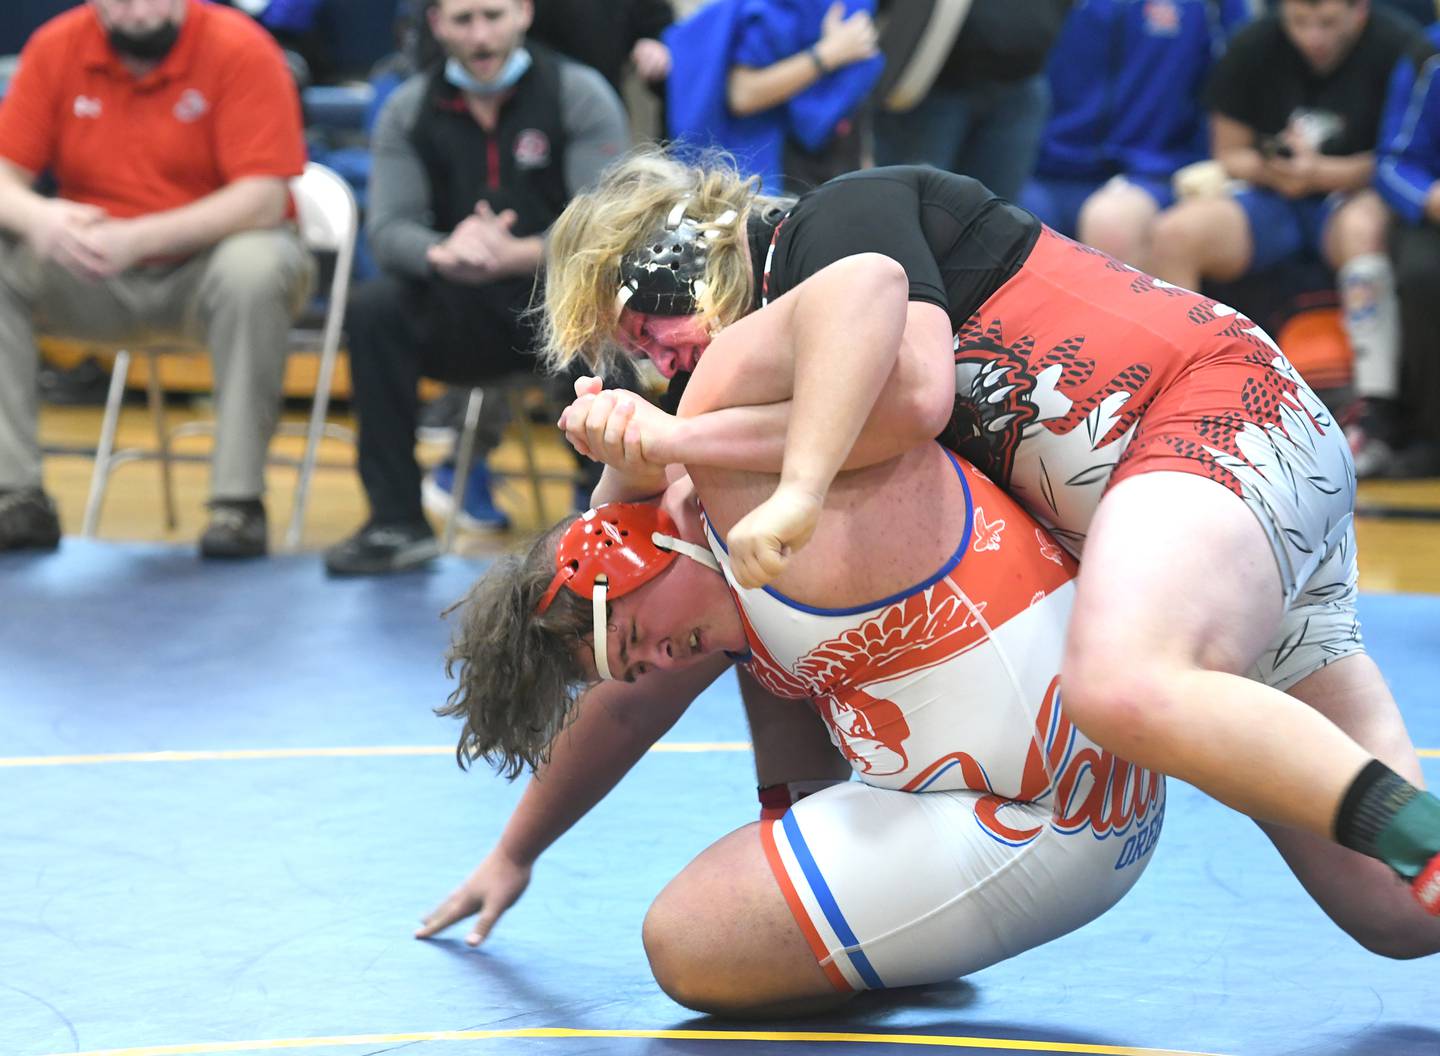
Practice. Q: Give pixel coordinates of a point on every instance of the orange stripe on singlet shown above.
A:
(798, 911)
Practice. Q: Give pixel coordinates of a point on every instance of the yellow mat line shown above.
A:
(932, 1040)
(307, 753)
(345, 753)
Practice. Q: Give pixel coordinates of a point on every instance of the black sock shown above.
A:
(1386, 817)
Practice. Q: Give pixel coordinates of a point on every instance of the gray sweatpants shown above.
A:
(238, 298)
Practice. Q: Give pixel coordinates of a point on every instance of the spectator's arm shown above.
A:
(596, 129)
(1349, 172)
(1408, 167)
(243, 205)
(400, 215)
(1234, 145)
(19, 203)
(844, 40)
(749, 90)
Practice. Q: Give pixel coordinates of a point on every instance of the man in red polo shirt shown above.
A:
(170, 128)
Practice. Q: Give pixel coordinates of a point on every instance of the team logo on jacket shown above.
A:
(87, 106)
(191, 106)
(532, 149)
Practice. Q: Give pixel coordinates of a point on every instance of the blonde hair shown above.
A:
(632, 200)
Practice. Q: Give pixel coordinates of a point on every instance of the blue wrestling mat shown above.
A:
(225, 803)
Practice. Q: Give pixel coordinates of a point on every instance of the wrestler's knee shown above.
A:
(720, 938)
(1119, 702)
(675, 960)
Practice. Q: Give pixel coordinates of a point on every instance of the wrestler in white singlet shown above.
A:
(983, 823)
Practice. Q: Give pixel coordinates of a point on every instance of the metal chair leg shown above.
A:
(463, 458)
(532, 464)
(105, 449)
(156, 399)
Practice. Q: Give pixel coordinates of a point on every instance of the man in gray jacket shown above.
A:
(472, 162)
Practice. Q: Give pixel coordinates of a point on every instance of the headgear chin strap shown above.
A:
(665, 275)
(611, 550)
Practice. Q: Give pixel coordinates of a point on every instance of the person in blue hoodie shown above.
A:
(1407, 175)
(1126, 77)
(776, 83)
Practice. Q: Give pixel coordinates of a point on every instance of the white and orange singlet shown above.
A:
(983, 822)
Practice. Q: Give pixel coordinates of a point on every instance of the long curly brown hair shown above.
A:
(519, 672)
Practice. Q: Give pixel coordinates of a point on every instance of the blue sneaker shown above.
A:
(479, 514)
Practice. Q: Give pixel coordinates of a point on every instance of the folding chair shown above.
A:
(513, 388)
(329, 222)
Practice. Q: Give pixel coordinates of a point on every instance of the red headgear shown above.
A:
(611, 551)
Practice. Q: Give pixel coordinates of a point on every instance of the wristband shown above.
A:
(814, 54)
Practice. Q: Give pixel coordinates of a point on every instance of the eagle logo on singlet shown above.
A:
(923, 630)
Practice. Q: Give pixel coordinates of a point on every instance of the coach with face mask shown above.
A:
(473, 160)
(171, 128)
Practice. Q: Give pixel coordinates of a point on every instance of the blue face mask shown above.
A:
(514, 68)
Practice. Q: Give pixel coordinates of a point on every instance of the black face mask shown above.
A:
(149, 46)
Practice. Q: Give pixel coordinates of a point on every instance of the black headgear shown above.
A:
(665, 275)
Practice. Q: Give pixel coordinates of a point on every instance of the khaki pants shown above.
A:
(238, 299)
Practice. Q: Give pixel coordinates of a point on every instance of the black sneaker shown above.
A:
(380, 548)
(28, 520)
(237, 529)
(83, 385)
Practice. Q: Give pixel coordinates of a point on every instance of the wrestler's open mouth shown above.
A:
(695, 641)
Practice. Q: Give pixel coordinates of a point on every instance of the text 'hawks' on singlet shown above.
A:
(954, 682)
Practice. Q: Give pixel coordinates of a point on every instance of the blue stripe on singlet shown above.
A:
(827, 902)
(854, 610)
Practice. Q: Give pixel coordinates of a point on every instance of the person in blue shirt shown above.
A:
(1407, 175)
(776, 83)
(1126, 78)
(1295, 112)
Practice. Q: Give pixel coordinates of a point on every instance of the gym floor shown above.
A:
(225, 802)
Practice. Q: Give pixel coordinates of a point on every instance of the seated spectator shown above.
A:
(170, 128)
(1408, 178)
(1126, 80)
(473, 160)
(987, 105)
(777, 83)
(1295, 108)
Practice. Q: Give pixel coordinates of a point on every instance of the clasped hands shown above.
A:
(481, 249)
(85, 240)
(639, 441)
(1293, 175)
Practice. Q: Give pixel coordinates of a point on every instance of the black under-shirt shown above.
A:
(957, 242)
(1262, 81)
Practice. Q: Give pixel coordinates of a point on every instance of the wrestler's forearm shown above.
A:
(753, 439)
(616, 725)
(617, 485)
